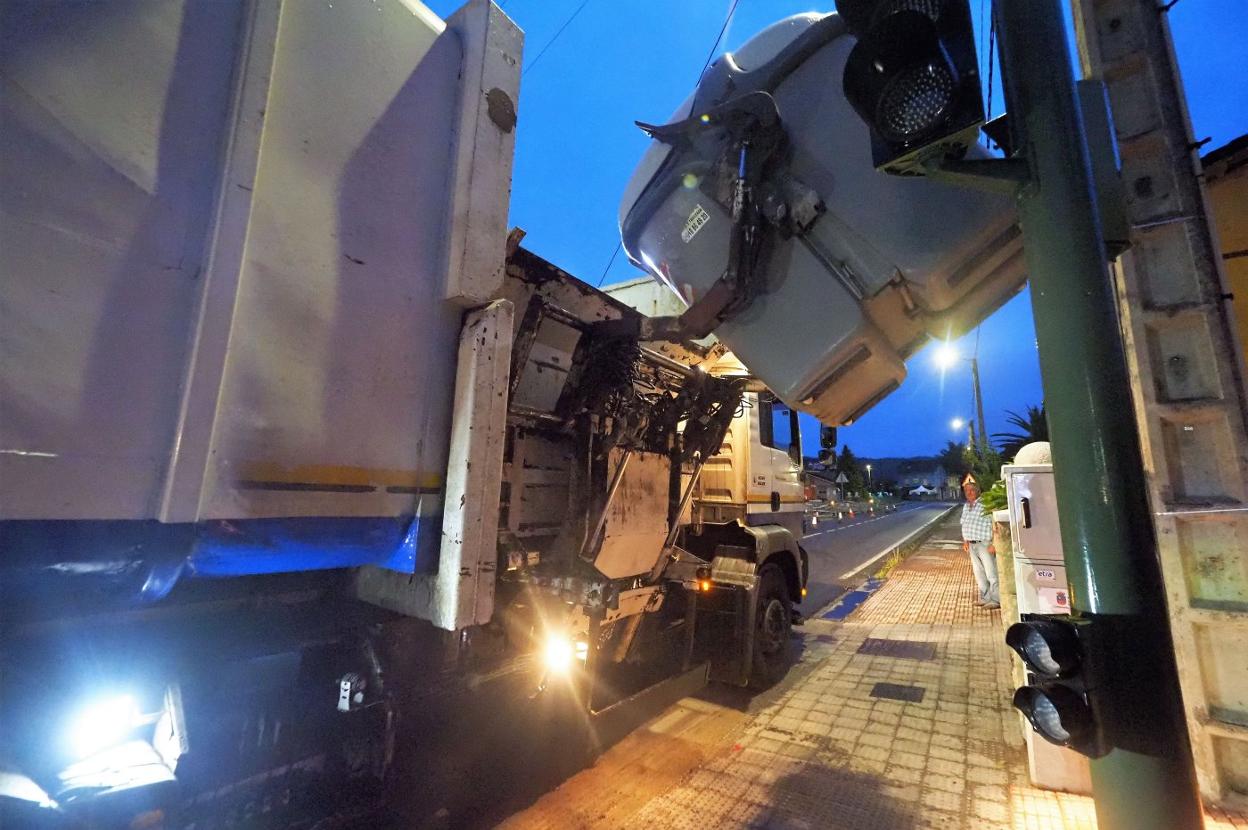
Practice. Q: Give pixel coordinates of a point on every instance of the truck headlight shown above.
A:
(561, 653)
(103, 723)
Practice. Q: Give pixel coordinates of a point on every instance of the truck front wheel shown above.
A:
(773, 642)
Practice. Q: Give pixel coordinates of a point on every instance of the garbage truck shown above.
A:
(291, 424)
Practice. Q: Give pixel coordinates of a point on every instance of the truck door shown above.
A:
(776, 493)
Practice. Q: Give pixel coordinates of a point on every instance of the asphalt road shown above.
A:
(838, 552)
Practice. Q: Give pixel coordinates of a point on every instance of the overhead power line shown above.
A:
(555, 37)
(715, 46)
(610, 262)
(709, 57)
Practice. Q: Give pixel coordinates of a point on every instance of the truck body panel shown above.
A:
(257, 305)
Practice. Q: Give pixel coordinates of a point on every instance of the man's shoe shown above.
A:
(991, 606)
(978, 602)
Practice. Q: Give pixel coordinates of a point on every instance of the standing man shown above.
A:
(977, 541)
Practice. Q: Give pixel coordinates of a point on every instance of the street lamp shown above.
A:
(958, 423)
(946, 355)
(946, 358)
(868, 476)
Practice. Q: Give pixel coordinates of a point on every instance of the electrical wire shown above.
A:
(619, 244)
(709, 56)
(555, 37)
(715, 46)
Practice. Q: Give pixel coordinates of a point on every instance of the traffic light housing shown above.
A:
(913, 77)
(1059, 698)
(1089, 685)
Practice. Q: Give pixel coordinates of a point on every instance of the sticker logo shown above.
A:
(696, 221)
(1061, 598)
(1042, 574)
(760, 480)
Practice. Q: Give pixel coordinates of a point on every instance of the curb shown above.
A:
(847, 603)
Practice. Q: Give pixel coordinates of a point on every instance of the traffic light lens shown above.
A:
(1049, 647)
(1039, 653)
(901, 79)
(1048, 720)
(914, 101)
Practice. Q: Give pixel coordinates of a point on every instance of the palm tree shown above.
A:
(1032, 426)
(953, 459)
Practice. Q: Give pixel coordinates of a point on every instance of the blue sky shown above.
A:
(616, 62)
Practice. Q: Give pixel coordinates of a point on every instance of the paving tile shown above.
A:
(908, 759)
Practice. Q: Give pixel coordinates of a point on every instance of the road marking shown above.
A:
(892, 547)
(857, 524)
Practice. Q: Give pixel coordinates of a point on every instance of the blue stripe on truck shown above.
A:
(265, 546)
(142, 561)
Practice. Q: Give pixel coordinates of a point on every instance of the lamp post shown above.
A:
(946, 357)
(868, 476)
(958, 423)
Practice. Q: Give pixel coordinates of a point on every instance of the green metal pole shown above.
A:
(1111, 558)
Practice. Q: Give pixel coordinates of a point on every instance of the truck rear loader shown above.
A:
(281, 396)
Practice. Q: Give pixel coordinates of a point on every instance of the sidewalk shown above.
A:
(913, 732)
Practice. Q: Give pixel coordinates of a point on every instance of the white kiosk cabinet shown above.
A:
(1040, 583)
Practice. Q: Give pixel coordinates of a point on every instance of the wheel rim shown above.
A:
(772, 627)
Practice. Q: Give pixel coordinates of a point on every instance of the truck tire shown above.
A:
(773, 624)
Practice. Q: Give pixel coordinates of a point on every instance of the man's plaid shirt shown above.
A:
(976, 523)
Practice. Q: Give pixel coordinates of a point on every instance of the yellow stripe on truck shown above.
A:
(767, 500)
(338, 475)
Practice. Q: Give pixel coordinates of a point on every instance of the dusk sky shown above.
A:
(616, 62)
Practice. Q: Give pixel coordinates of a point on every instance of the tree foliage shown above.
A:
(847, 463)
(994, 497)
(1032, 426)
(953, 459)
(986, 468)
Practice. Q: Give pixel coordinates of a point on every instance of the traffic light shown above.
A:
(1059, 701)
(913, 77)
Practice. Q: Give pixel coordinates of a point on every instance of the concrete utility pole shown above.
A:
(1189, 392)
(1111, 554)
(979, 409)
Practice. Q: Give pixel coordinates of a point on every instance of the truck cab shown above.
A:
(756, 477)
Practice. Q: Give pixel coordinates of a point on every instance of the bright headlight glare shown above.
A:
(102, 724)
(559, 653)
